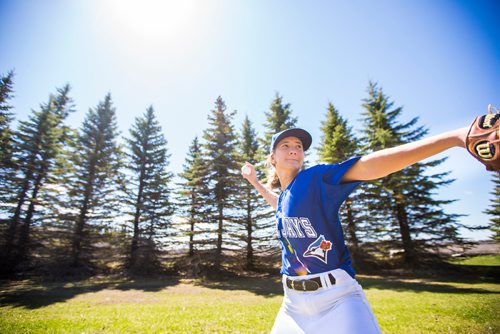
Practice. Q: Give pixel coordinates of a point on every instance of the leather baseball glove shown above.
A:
(483, 139)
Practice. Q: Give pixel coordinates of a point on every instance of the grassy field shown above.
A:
(402, 305)
(487, 260)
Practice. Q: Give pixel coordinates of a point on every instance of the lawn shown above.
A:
(450, 304)
(485, 260)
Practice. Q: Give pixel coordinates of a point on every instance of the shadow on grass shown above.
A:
(443, 280)
(269, 287)
(400, 284)
(265, 287)
(33, 295)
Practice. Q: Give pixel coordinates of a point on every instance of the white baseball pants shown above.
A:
(339, 308)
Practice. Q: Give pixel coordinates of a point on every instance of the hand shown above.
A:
(249, 173)
(483, 139)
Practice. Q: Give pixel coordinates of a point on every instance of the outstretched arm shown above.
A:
(269, 196)
(387, 161)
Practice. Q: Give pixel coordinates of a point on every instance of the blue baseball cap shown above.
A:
(302, 134)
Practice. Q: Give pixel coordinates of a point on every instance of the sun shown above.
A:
(150, 20)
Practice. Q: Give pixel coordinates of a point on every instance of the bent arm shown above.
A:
(387, 161)
(267, 194)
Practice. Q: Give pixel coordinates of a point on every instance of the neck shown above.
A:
(286, 177)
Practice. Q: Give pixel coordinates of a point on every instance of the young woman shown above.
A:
(321, 293)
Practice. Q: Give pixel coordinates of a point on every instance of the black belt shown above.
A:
(312, 284)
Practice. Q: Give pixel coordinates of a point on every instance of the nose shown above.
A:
(292, 151)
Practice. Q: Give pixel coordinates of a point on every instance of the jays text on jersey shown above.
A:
(308, 222)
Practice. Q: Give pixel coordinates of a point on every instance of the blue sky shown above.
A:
(438, 59)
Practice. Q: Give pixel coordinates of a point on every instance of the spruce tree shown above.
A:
(7, 164)
(278, 118)
(39, 142)
(254, 218)
(222, 172)
(338, 144)
(403, 204)
(494, 210)
(52, 147)
(148, 190)
(193, 194)
(53, 228)
(6, 118)
(95, 185)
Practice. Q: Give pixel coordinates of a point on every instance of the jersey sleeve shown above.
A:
(337, 192)
(333, 173)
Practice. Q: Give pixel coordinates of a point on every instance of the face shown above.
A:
(289, 154)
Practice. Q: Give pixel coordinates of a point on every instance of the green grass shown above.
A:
(137, 307)
(426, 306)
(484, 260)
(450, 304)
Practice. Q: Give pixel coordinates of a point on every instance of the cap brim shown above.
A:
(302, 134)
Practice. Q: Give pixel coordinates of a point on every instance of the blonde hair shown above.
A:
(273, 180)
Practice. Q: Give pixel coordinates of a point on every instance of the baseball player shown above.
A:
(320, 290)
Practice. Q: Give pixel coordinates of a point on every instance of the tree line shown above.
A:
(77, 198)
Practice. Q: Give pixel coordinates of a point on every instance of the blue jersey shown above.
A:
(308, 222)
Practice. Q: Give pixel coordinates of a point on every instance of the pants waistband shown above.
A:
(315, 281)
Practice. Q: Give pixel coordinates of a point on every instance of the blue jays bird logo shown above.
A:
(319, 249)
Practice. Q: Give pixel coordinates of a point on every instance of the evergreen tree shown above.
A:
(6, 118)
(52, 229)
(7, 164)
(40, 141)
(402, 203)
(338, 144)
(337, 141)
(278, 118)
(96, 180)
(254, 218)
(494, 210)
(193, 194)
(148, 190)
(222, 171)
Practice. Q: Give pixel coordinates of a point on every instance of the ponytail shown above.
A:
(273, 180)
